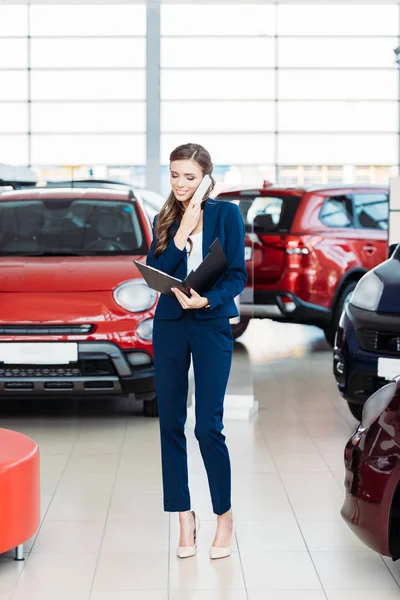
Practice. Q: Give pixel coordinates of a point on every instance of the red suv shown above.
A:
(76, 316)
(306, 249)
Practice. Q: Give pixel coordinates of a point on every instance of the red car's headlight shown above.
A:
(135, 295)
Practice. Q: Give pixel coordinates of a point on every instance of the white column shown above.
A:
(153, 174)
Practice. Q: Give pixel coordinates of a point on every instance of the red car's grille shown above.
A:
(380, 341)
(46, 329)
(37, 371)
(88, 366)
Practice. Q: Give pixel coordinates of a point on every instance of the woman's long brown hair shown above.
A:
(172, 209)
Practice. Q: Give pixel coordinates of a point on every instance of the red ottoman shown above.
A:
(19, 491)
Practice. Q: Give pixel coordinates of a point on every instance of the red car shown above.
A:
(372, 460)
(308, 248)
(75, 314)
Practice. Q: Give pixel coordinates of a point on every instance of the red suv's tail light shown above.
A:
(297, 250)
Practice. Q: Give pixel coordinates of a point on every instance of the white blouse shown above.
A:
(196, 255)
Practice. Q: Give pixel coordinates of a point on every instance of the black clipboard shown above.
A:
(201, 280)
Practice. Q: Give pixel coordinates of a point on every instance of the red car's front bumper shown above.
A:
(372, 476)
(101, 367)
(112, 357)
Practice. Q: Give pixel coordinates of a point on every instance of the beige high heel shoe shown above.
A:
(216, 552)
(187, 551)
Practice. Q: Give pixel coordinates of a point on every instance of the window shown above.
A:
(88, 85)
(55, 226)
(236, 52)
(13, 117)
(225, 149)
(300, 175)
(13, 53)
(335, 19)
(87, 117)
(297, 91)
(152, 199)
(372, 210)
(98, 53)
(337, 52)
(337, 212)
(217, 116)
(14, 149)
(89, 149)
(338, 84)
(99, 19)
(372, 174)
(277, 213)
(13, 20)
(266, 205)
(214, 19)
(233, 84)
(337, 148)
(14, 85)
(337, 116)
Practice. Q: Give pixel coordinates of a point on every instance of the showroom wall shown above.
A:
(295, 92)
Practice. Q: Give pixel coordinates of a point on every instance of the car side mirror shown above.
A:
(264, 224)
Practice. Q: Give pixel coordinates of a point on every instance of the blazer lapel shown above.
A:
(210, 214)
(209, 223)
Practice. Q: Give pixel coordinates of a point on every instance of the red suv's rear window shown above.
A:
(273, 213)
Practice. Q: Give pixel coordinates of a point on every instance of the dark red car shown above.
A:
(306, 249)
(75, 314)
(372, 461)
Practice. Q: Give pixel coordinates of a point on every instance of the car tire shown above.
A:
(356, 410)
(150, 407)
(238, 329)
(341, 302)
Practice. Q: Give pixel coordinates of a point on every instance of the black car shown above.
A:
(367, 345)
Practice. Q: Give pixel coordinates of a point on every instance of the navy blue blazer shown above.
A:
(221, 219)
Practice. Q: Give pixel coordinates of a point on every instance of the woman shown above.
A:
(199, 327)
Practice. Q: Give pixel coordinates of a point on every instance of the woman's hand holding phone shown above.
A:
(201, 190)
(190, 217)
(188, 223)
(192, 213)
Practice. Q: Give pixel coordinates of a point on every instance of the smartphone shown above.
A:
(198, 196)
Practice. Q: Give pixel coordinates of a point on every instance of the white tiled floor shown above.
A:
(104, 535)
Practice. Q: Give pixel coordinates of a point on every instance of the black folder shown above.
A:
(201, 280)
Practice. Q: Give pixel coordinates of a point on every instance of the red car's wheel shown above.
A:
(239, 328)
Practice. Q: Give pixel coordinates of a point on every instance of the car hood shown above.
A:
(389, 272)
(66, 273)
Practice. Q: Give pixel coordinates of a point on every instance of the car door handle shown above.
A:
(369, 249)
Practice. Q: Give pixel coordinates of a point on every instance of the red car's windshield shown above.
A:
(67, 226)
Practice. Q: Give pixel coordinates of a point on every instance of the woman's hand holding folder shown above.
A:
(202, 279)
(195, 301)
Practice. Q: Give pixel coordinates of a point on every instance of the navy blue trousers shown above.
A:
(210, 343)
